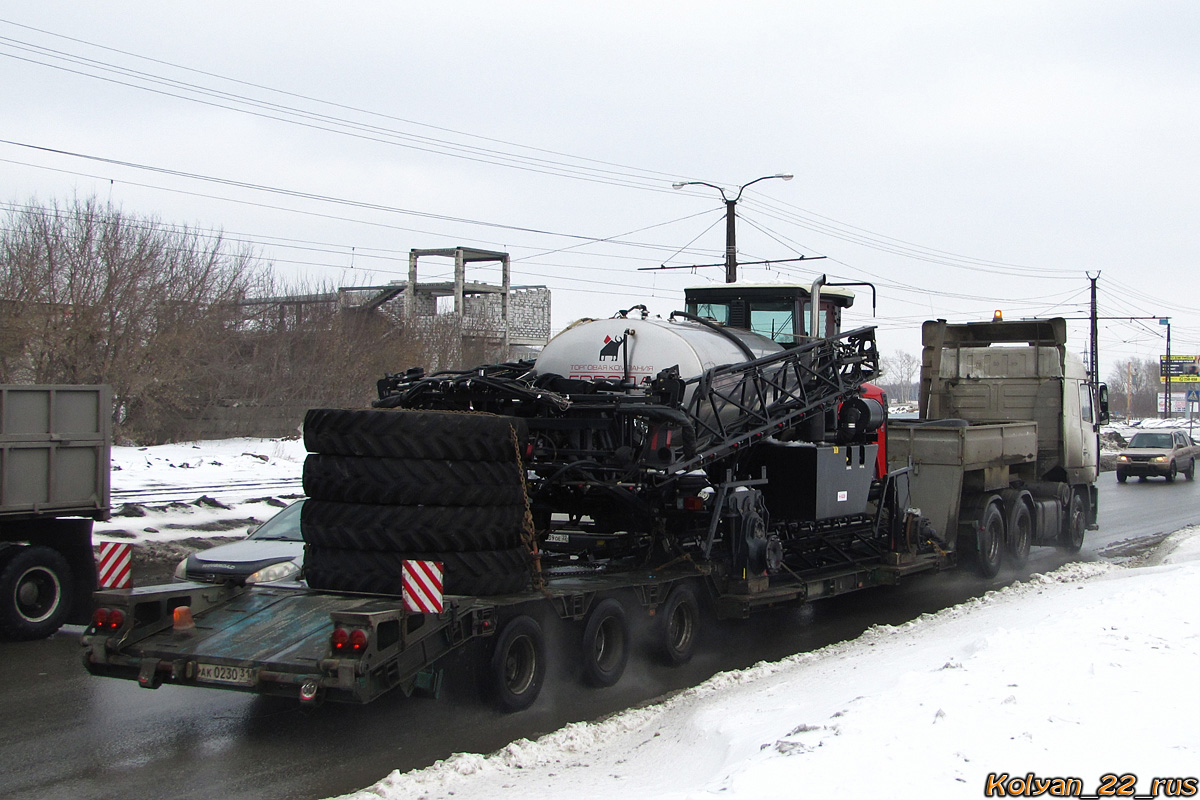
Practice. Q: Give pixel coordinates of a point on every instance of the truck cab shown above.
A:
(780, 311)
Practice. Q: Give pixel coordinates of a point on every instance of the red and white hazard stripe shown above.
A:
(422, 586)
(116, 561)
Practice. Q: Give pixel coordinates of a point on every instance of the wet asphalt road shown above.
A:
(68, 736)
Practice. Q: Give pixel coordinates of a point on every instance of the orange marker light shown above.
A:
(183, 619)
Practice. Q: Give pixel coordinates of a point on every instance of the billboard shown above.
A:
(1183, 369)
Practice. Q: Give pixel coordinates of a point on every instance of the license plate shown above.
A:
(558, 538)
(218, 673)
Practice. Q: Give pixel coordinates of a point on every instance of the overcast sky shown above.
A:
(963, 157)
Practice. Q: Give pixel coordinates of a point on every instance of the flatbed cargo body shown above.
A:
(276, 640)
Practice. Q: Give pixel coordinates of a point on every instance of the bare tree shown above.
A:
(899, 369)
(1134, 387)
(91, 294)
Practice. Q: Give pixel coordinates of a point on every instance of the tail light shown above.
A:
(349, 641)
(106, 619)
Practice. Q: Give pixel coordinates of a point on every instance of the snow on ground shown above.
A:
(1085, 671)
(249, 479)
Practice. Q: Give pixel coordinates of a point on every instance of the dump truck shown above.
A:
(1005, 452)
(642, 471)
(55, 443)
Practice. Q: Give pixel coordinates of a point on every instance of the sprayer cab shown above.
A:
(780, 311)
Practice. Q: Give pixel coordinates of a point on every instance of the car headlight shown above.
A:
(1159, 459)
(276, 572)
(1123, 458)
(181, 571)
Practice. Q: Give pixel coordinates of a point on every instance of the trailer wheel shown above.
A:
(989, 540)
(411, 529)
(1020, 532)
(385, 433)
(36, 592)
(1073, 533)
(413, 481)
(606, 640)
(679, 628)
(518, 664)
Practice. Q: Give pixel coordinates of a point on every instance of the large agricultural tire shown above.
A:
(388, 433)
(486, 572)
(405, 481)
(517, 667)
(36, 592)
(412, 529)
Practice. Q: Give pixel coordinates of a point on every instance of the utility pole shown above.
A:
(1095, 359)
(1167, 368)
(731, 218)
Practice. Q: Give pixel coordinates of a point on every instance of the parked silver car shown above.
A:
(272, 553)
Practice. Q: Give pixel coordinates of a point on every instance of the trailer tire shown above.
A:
(679, 626)
(1019, 532)
(517, 667)
(606, 642)
(388, 433)
(410, 481)
(989, 539)
(36, 593)
(415, 529)
(1076, 527)
(485, 572)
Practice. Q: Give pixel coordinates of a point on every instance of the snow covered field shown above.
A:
(1086, 671)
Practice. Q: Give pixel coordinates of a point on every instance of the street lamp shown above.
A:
(731, 217)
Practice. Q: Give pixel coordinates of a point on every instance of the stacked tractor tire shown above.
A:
(386, 486)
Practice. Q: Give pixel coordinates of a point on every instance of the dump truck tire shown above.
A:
(411, 529)
(36, 592)
(392, 433)
(407, 481)
(487, 572)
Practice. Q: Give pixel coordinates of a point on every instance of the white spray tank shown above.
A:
(634, 351)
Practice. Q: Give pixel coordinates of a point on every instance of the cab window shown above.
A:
(776, 321)
(714, 311)
(1085, 402)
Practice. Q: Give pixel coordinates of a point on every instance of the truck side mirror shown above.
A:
(1102, 399)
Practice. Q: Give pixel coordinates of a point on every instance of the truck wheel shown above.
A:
(1121, 477)
(989, 540)
(1020, 533)
(35, 593)
(679, 626)
(1171, 473)
(1072, 535)
(413, 481)
(411, 529)
(385, 433)
(518, 664)
(606, 641)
